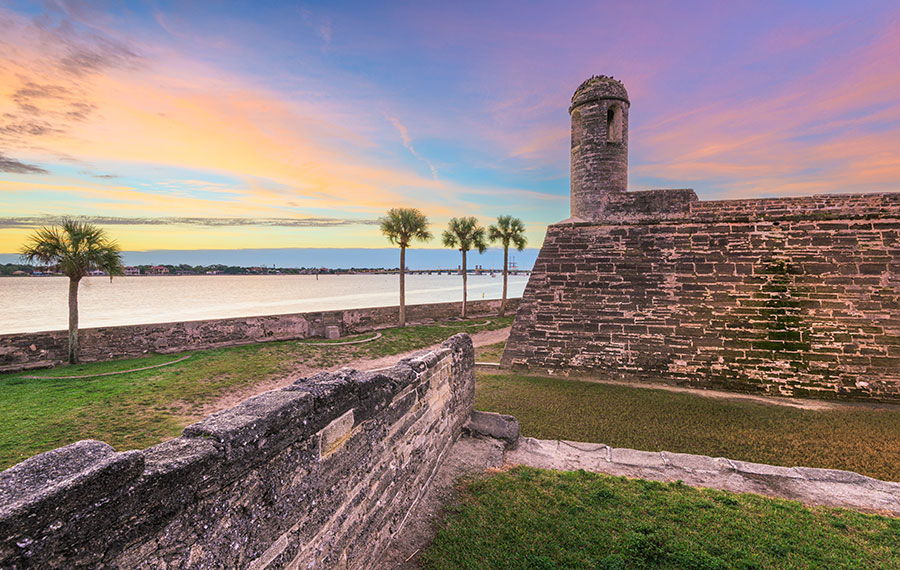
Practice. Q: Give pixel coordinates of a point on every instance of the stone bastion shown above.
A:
(795, 296)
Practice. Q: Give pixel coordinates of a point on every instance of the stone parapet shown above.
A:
(44, 349)
(322, 473)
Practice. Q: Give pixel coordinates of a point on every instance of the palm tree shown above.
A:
(77, 248)
(465, 234)
(509, 230)
(401, 225)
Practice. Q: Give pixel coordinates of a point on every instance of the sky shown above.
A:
(220, 125)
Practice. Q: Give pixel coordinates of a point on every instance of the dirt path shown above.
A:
(483, 338)
(785, 401)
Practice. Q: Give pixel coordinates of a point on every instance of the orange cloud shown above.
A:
(833, 130)
(159, 109)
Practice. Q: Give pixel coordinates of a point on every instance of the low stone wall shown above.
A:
(44, 349)
(320, 474)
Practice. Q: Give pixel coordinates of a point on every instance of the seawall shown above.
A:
(319, 474)
(44, 349)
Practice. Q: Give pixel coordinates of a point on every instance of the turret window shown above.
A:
(576, 128)
(614, 123)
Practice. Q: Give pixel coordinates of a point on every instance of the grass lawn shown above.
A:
(139, 409)
(856, 439)
(490, 353)
(535, 519)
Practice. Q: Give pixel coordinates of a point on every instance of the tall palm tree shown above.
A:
(402, 225)
(465, 234)
(77, 248)
(509, 230)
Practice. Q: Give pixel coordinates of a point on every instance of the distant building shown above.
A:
(132, 271)
(97, 273)
(159, 270)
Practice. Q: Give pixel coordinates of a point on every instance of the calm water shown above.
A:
(30, 304)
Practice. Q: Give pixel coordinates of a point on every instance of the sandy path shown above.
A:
(785, 401)
(483, 338)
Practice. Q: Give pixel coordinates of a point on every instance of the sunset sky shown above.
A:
(189, 125)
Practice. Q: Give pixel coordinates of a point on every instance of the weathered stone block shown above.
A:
(498, 426)
(335, 434)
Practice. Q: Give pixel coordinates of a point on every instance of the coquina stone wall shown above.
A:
(321, 474)
(787, 296)
(36, 350)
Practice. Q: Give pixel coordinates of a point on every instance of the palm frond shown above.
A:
(75, 247)
(402, 225)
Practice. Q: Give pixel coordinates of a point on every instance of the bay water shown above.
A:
(32, 304)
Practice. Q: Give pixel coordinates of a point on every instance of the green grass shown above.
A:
(490, 353)
(856, 439)
(105, 367)
(139, 409)
(535, 519)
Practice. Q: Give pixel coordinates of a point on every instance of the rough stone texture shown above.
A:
(812, 486)
(796, 297)
(320, 474)
(44, 349)
(497, 426)
(599, 157)
(468, 457)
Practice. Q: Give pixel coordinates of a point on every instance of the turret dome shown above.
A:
(599, 87)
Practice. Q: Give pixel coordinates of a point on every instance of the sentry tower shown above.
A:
(599, 145)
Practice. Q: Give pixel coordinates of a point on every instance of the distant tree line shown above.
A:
(10, 269)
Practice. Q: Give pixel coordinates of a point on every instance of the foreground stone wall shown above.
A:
(36, 350)
(789, 296)
(319, 474)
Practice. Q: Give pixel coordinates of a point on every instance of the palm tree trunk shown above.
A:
(464, 284)
(73, 321)
(505, 266)
(402, 286)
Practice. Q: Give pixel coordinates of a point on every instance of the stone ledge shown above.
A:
(829, 487)
(36, 474)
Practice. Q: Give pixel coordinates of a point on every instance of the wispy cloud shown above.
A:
(98, 175)
(830, 129)
(14, 166)
(407, 142)
(329, 113)
(40, 221)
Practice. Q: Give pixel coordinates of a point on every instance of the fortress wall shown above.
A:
(33, 350)
(793, 296)
(319, 474)
(819, 207)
